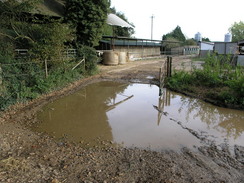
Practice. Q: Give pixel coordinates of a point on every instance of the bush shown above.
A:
(217, 73)
(237, 86)
(179, 80)
(90, 56)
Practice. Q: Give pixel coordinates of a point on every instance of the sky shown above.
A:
(212, 18)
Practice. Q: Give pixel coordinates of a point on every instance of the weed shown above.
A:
(217, 72)
(26, 81)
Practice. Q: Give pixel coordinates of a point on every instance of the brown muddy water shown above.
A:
(133, 115)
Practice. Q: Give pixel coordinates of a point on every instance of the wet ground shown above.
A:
(30, 156)
(122, 113)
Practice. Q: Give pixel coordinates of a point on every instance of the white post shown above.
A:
(152, 17)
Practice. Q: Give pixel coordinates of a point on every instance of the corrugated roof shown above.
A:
(50, 7)
(117, 21)
(131, 43)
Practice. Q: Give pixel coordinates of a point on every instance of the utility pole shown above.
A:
(152, 17)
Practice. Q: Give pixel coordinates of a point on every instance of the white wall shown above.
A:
(206, 46)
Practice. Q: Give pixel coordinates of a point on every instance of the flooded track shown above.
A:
(133, 115)
(29, 156)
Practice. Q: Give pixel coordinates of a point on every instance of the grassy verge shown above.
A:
(25, 79)
(218, 81)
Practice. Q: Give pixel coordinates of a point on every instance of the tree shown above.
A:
(43, 40)
(190, 42)
(11, 13)
(176, 33)
(206, 39)
(88, 18)
(237, 31)
(171, 42)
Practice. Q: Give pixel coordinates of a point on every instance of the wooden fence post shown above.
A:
(160, 81)
(170, 66)
(1, 78)
(46, 71)
(167, 66)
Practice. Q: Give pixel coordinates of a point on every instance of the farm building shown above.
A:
(205, 48)
(135, 48)
(240, 57)
(224, 48)
(241, 47)
(185, 50)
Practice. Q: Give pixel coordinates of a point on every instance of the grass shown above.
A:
(194, 59)
(218, 80)
(24, 82)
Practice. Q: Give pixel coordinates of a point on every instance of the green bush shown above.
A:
(237, 86)
(217, 72)
(45, 41)
(208, 79)
(90, 56)
(180, 80)
(22, 82)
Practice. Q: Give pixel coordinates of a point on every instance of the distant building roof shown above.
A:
(113, 19)
(50, 8)
(204, 42)
(131, 43)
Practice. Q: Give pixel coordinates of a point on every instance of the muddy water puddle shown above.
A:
(133, 115)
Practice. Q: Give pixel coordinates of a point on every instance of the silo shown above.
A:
(198, 36)
(228, 37)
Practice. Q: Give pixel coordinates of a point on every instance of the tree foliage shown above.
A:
(13, 8)
(206, 39)
(237, 31)
(190, 42)
(171, 42)
(11, 14)
(45, 40)
(176, 33)
(88, 18)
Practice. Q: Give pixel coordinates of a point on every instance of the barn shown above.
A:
(135, 48)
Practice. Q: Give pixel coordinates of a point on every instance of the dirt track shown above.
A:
(26, 156)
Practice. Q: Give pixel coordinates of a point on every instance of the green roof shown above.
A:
(50, 7)
(131, 43)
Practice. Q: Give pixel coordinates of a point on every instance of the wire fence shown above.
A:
(21, 68)
(24, 65)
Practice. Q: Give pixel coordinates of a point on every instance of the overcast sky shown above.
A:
(212, 18)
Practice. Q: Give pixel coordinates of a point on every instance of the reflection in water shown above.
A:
(163, 100)
(82, 116)
(216, 121)
(124, 113)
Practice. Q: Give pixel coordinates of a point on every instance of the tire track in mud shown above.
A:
(237, 151)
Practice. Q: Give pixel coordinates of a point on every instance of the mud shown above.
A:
(28, 156)
(122, 113)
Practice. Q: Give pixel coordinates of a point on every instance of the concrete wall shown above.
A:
(137, 52)
(206, 46)
(185, 50)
